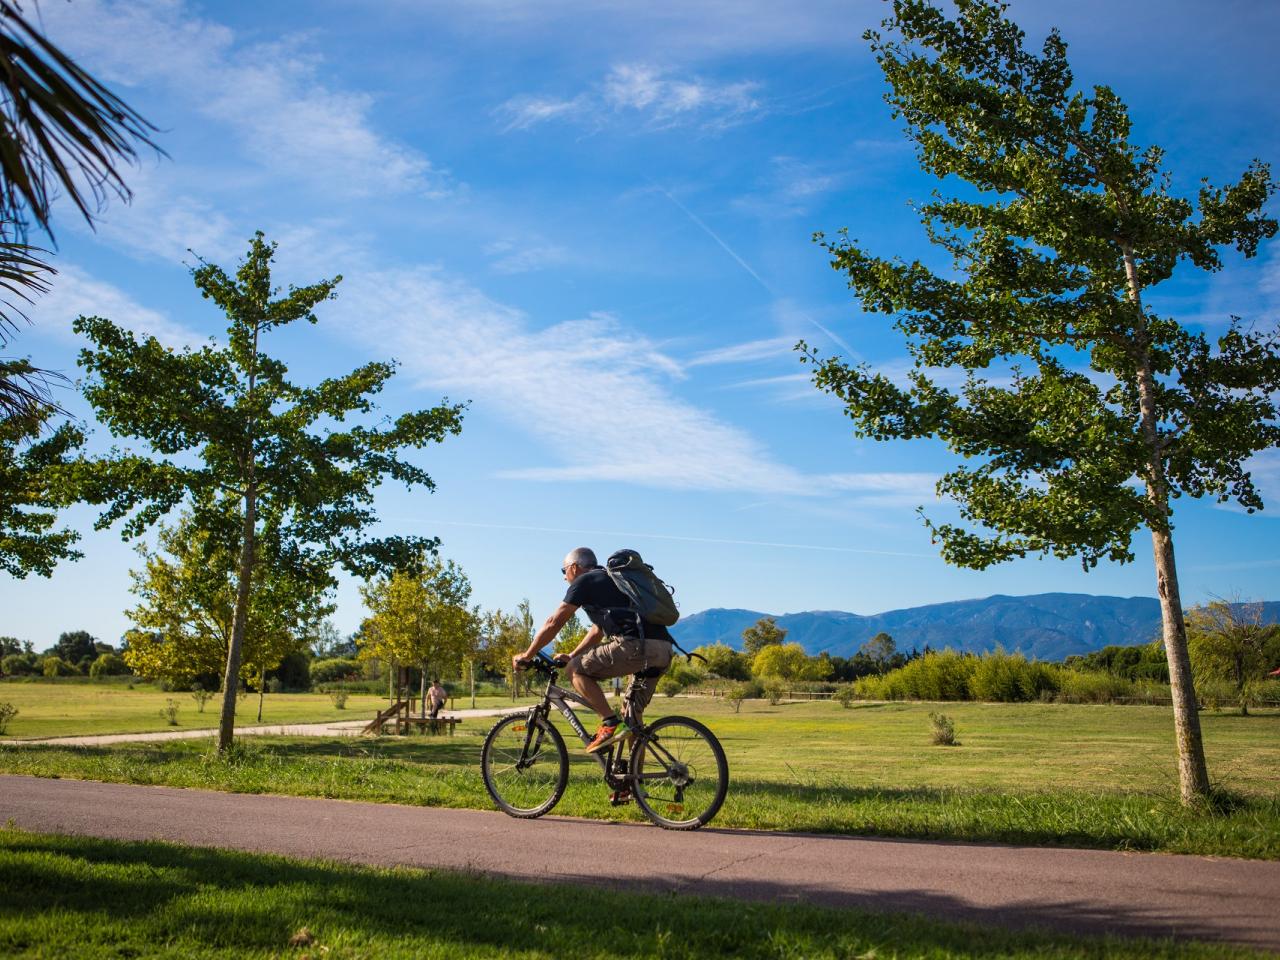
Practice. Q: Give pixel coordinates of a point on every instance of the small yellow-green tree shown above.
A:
(788, 661)
(420, 617)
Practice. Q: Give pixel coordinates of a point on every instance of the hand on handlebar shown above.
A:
(560, 659)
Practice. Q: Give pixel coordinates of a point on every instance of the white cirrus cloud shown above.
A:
(525, 111)
(660, 98)
(511, 256)
(75, 293)
(745, 352)
(271, 96)
(454, 338)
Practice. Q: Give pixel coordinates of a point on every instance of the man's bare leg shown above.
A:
(590, 691)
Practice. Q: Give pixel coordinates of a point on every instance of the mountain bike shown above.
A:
(674, 768)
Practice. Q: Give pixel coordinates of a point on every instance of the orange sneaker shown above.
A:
(607, 735)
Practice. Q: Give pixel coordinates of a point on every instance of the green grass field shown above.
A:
(1096, 776)
(71, 709)
(81, 897)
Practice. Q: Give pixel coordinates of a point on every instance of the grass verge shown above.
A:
(76, 896)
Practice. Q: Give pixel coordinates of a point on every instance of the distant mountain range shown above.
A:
(1044, 626)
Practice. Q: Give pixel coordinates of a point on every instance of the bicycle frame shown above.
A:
(561, 698)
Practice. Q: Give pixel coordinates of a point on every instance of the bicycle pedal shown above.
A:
(619, 797)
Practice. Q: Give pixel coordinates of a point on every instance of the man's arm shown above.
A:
(549, 630)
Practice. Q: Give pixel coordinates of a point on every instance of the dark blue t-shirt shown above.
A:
(608, 607)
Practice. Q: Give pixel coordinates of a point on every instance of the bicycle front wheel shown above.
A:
(525, 765)
(679, 773)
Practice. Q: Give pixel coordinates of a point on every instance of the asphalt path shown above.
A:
(1078, 891)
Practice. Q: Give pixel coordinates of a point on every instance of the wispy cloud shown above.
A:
(272, 96)
(658, 97)
(525, 111)
(76, 293)
(454, 338)
(745, 352)
(510, 256)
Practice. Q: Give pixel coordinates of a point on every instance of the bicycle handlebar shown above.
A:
(542, 663)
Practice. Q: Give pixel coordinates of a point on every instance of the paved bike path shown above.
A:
(1081, 891)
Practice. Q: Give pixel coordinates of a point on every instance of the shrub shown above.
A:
(19, 665)
(1091, 686)
(935, 676)
(846, 695)
(201, 696)
(773, 691)
(7, 712)
(170, 711)
(943, 730)
(339, 698)
(1009, 678)
(108, 665)
(275, 685)
(669, 686)
(336, 668)
(735, 695)
(55, 666)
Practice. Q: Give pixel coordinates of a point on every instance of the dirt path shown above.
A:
(1081, 891)
(334, 728)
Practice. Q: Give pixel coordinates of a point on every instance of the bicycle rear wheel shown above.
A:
(679, 773)
(525, 765)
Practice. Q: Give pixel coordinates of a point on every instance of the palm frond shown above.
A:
(26, 393)
(61, 131)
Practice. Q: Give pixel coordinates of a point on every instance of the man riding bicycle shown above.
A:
(618, 643)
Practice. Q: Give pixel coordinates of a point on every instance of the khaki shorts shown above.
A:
(620, 656)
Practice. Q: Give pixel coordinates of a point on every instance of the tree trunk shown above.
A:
(1193, 774)
(262, 689)
(422, 692)
(231, 680)
(471, 669)
(391, 682)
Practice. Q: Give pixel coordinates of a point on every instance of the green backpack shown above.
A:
(649, 596)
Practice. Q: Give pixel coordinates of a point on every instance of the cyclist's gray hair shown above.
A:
(583, 557)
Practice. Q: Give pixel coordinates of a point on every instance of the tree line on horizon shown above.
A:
(1083, 416)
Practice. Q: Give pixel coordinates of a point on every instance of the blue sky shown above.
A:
(592, 220)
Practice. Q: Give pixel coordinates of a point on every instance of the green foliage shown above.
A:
(1069, 222)
(420, 616)
(942, 730)
(108, 665)
(725, 662)
(880, 649)
(339, 697)
(10, 645)
(186, 594)
(788, 661)
(935, 676)
(55, 666)
(1144, 661)
(1229, 641)
(570, 635)
(846, 695)
(669, 686)
(7, 712)
(763, 633)
(76, 646)
(29, 494)
(250, 453)
(19, 665)
(1009, 678)
(336, 668)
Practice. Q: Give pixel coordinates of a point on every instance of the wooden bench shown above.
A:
(434, 725)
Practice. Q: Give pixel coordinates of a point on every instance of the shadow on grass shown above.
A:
(153, 894)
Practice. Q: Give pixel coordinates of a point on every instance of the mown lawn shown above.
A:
(71, 709)
(82, 897)
(1093, 776)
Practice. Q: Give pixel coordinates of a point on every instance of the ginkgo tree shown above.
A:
(226, 433)
(1084, 412)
